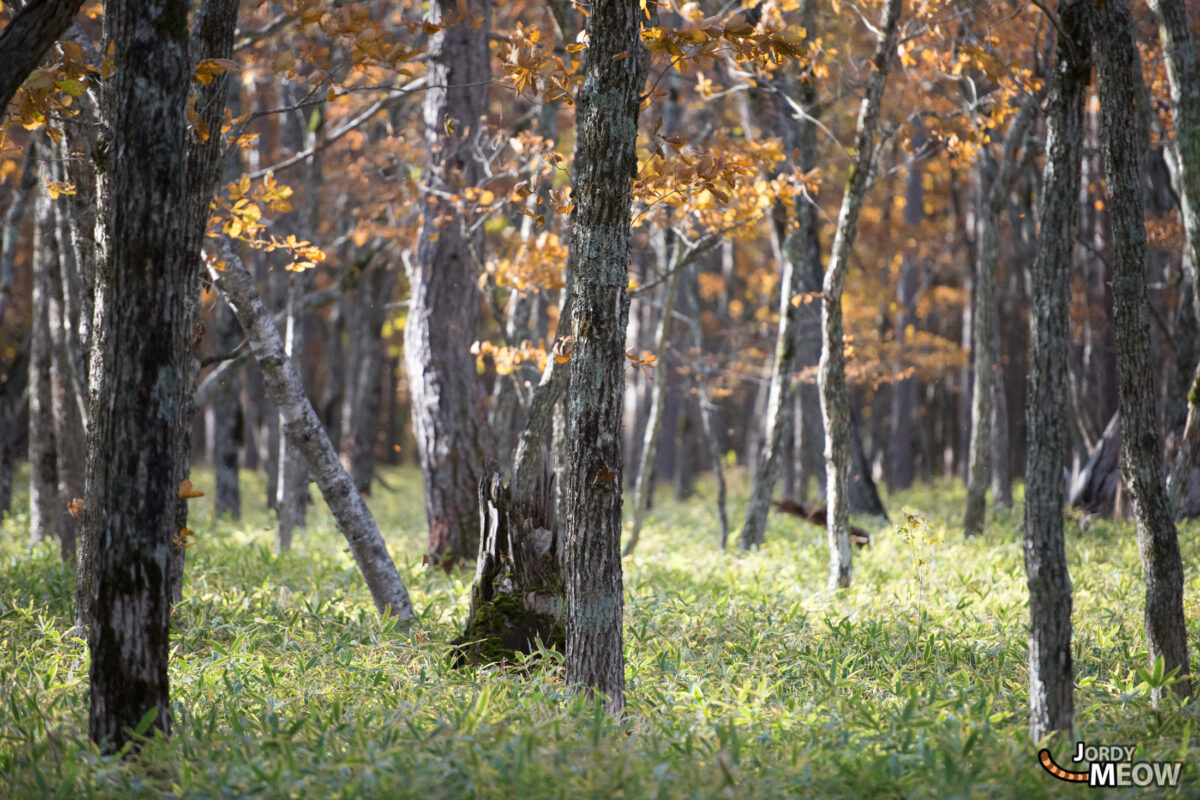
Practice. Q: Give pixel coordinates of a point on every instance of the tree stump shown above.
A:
(516, 600)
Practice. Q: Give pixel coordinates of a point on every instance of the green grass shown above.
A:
(746, 678)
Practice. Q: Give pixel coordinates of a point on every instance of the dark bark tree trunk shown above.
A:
(1050, 672)
(377, 288)
(139, 373)
(1094, 489)
(835, 407)
(12, 225)
(302, 426)
(1119, 74)
(606, 114)
(226, 422)
(1183, 73)
(27, 38)
(12, 389)
(449, 417)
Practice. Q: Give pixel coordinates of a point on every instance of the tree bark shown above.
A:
(291, 492)
(796, 273)
(606, 114)
(1183, 75)
(27, 38)
(1050, 672)
(835, 409)
(707, 413)
(225, 420)
(449, 417)
(658, 399)
(302, 426)
(12, 225)
(1118, 71)
(995, 186)
(44, 507)
(138, 374)
(12, 389)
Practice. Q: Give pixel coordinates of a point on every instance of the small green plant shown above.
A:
(920, 539)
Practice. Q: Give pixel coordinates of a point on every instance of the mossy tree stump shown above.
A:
(516, 600)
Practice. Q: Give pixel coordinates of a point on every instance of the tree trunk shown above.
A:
(449, 417)
(226, 422)
(516, 599)
(707, 413)
(1118, 70)
(302, 426)
(606, 114)
(12, 224)
(12, 389)
(291, 492)
(835, 409)
(1050, 672)
(1183, 73)
(139, 371)
(995, 186)
(27, 38)
(44, 507)
(658, 398)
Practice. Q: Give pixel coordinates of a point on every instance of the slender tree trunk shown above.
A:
(138, 371)
(291, 498)
(449, 413)
(1118, 70)
(995, 186)
(835, 408)
(1050, 672)
(904, 389)
(658, 399)
(226, 421)
(302, 426)
(708, 419)
(44, 507)
(12, 224)
(12, 389)
(368, 390)
(606, 114)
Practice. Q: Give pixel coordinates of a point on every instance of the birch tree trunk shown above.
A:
(291, 492)
(304, 429)
(606, 115)
(1051, 702)
(449, 416)
(835, 409)
(1119, 74)
(138, 373)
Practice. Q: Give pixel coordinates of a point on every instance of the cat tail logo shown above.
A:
(1113, 766)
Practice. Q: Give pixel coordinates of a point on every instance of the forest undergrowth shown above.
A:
(746, 677)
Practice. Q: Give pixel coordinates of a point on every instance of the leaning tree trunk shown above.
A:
(835, 403)
(449, 419)
(995, 187)
(1119, 73)
(27, 37)
(304, 429)
(606, 115)
(138, 373)
(1183, 73)
(1051, 702)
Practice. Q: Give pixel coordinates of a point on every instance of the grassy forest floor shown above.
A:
(746, 678)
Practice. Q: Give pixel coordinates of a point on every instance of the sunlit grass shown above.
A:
(747, 678)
